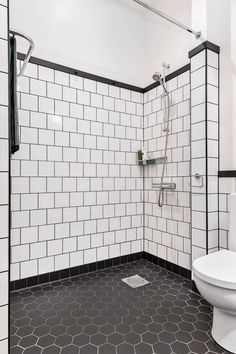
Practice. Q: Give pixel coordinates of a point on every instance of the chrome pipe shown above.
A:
(30, 50)
(197, 34)
(164, 186)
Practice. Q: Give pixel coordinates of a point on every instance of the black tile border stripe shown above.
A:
(174, 268)
(86, 75)
(88, 268)
(227, 173)
(68, 70)
(71, 272)
(206, 45)
(168, 77)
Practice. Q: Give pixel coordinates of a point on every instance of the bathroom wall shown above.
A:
(76, 184)
(129, 42)
(4, 177)
(205, 149)
(167, 229)
(226, 186)
(216, 18)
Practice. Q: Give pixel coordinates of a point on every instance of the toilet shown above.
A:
(215, 278)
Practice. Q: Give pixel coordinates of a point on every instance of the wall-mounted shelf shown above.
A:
(152, 161)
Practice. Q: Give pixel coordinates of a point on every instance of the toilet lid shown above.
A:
(217, 268)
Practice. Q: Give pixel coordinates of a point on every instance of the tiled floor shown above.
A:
(97, 313)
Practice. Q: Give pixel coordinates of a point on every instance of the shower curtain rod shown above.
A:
(30, 50)
(197, 34)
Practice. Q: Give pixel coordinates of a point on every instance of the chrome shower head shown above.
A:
(156, 76)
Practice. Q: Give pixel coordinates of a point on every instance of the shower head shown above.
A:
(156, 76)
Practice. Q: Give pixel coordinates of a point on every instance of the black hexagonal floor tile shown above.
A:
(81, 340)
(33, 350)
(125, 348)
(162, 348)
(133, 338)
(28, 341)
(98, 339)
(88, 349)
(63, 340)
(46, 341)
(115, 338)
(98, 314)
(143, 348)
(107, 349)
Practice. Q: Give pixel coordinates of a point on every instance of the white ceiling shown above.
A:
(112, 38)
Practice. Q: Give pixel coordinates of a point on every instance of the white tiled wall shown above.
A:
(4, 171)
(76, 186)
(204, 152)
(167, 229)
(77, 190)
(226, 187)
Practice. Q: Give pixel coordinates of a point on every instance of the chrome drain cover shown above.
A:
(135, 281)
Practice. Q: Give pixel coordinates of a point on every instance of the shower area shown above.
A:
(114, 192)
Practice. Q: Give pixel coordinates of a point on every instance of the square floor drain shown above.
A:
(135, 281)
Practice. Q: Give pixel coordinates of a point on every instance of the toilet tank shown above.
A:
(232, 222)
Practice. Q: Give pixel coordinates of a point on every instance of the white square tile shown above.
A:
(3, 188)
(76, 82)
(3, 288)
(29, 102)
(3, 320)
(62, 78)
(46, 105)
(46, 74)
(62, 108)
(4, 22)
(29, 269)
(37, 87)
(198, 95)
(197, 61)
(54, 91)
(3, 122)
(46, 265)
(4, 55)
(89, 85)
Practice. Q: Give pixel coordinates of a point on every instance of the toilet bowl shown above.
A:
(215, 278)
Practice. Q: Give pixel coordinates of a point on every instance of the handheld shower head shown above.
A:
(156, 76)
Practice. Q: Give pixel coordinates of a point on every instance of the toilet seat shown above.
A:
(217, 268)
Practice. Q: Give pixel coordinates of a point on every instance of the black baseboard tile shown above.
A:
(194, 287)
(71, 272)
(183, 272)
(92, 267)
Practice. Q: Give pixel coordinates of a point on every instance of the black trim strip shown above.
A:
(206, 45)
(68, 70)
(168, 77)
(9, 180)
(92, 267)
(206, 148)
(227, 173)
(174, 268)
(71, 272)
